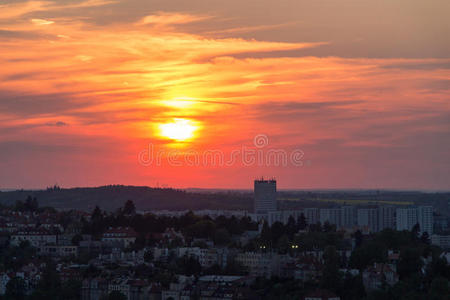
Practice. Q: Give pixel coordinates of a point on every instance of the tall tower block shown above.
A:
(265, 196)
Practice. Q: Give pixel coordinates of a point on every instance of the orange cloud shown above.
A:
(163, 18)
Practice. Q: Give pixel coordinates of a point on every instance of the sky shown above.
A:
(206, 93)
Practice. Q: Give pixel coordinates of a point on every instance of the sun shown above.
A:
(179, 130)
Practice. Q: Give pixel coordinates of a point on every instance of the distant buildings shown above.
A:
(265, 196)
(332, 216)
(442, 241)
(348, 216)
(406, 218)
(375, 276)
(311, 215)
(425, 219)
(386, 217)
(368, 217)
(36, 236)
(124, 236)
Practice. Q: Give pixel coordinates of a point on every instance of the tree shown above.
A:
(358, 238)
(116, 295)
(439, 289)
(301, 222)
(49, 287)
(77, 239)
(331, 278)
(266, 234)
(97, 214)
(129, 208)
(277, 229)
(189, 265)
(327, 227)
(31, 204)
(367, 254)
(425, 238)
(222, 237)
(291, 227)
(15, 289)
(71, 290)
(415, 232)
(283, 244)
(409, 262)
(148, 256)
(353, 288)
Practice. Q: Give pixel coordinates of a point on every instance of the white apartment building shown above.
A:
(312, 215)
(348, 216)
(368, 217)
(332, 216)
(406, 218)
(36, 237)
(386, 217)
(425, 219)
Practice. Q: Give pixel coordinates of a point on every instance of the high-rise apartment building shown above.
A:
(368, 217)
(348, 216)
(386, 217)
(265, 196)
(406, 218)
(332, 216)
(425, 219)
(312, 215)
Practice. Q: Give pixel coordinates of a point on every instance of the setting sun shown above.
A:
(178, 129)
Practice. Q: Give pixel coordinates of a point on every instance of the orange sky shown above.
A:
(89, 88)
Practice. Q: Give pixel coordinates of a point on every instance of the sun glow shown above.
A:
(179, 130)
(180, 102)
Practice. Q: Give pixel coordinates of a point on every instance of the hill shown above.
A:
(145, 198)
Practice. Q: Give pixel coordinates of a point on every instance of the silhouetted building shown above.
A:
(265, 196)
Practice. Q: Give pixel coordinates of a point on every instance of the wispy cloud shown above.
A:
(171, 18)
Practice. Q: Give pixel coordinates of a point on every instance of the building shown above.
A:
(348, 216)
(311, 215)
(375, 276)
(283, 216)
(36, 237)
(425, 219)
(368, 217)
(262, 264)
(442, 241)
(440, 223)
(332, 216)
(406, 218)
(265, 196)
(386, 217)
(58, 251)
(124, 236)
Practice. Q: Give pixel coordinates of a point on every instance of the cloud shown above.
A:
(41, 22)
(57, 124)
(16, 10)
(167, 18)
